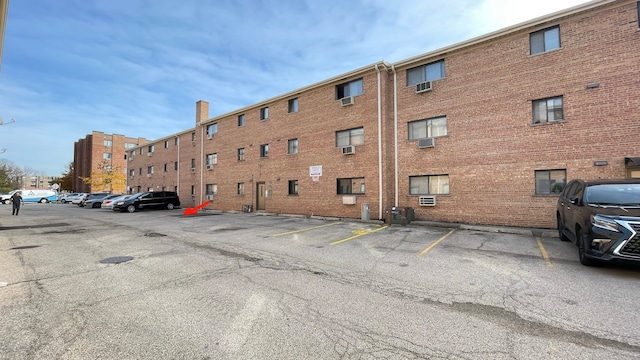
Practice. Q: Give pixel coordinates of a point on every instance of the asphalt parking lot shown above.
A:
(91, 283)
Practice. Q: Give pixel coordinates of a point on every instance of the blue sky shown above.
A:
(137, 67)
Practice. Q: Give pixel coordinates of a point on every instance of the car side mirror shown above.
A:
(575, 201)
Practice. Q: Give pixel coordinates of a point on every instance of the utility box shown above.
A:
(399, 215)
(365, 212)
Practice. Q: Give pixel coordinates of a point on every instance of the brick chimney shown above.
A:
(202, 111)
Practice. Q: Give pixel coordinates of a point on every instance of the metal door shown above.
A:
(261, 191)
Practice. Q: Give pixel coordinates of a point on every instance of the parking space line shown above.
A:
(307, 229)
(544, 252)
(428, 248)
(358, 234)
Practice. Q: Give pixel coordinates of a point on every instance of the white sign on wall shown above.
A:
(315, 170)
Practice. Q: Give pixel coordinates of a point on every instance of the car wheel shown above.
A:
(7, 202)
(63, 201)
(43, 201)
(582, 250)
(131, 208)
(561, 234)
(169, 206)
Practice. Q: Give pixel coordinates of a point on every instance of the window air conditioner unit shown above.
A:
(193, 142)
(131, 177)
(148, 175)
(193, 170)
(209, 166)
(423, 86)
(347, 101)
(349, 200)
(149, 153)
(427, 200)
(209, 136)
(209, 197)
(426, 143)
(348, 150)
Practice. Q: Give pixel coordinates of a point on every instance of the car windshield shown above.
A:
(613, 194)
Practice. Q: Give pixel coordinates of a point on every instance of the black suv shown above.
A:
(602, 217)
(148, 200)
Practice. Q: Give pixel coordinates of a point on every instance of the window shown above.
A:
(140, 171)
(193, 190)
(125, 156)
(193, 163)
(212, 159)
(293, 187)
(264, 113)
(241, 154)
(193, 136)
(132, 173)
(175, 166)
(177, 141)
(351, 88)
(545, 40)
(240, 188)
(428, 72)
(548, 110)
(149, 169)
(108, 143)
(550, 182)
(293, 105)
(132, 154)
(350, 186)
(166, 167)
(128, 145)
(293, 146)
(350, 137)
(141, 151)
(241, 120)
(264, 150)
(212, 129)
(106, 156)
(429, 185)
(151, 148)
(212, 189)
(166, 144)
(427, 128)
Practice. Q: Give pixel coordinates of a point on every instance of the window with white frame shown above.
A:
(166, 144)
(351, 88)
(550, 182)
(548, 110)
(193, 136)
(264, 113)
(545, 40)
(106, 156)
(151, 148)
(293, 105)
(429, 185)
(428, 72)
(292, 147)
(128, 145)
(428, 128)
(211, 159)
(241, 120)
(349, 186)
(240, 188)
(132, 173)
(176, 142)
(212, 189)
(149, 169)
(141, 151)
(350, 137)
(241, 154)
(108, 143)
(166, 167)
(212, 129)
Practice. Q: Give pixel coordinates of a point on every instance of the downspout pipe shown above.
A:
(380, 189)
(395, 135)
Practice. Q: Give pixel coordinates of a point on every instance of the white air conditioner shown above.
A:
(423, 86)
(149, 153)
(349, 200)
(209, 197)
(209, 166)
(193, 142)
(131, 177)
(348, 150)
(193, 170)
(209, 136)
(427, 200)
(347, 101)
(426, 143)
(148, 175)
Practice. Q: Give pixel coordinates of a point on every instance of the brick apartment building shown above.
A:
(97, 150)
(485, 131)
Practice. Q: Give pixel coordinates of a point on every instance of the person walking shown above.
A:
(16, 199)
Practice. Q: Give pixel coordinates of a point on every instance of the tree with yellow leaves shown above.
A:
(107, 178)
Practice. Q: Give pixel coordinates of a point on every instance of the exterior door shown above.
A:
(260, 195)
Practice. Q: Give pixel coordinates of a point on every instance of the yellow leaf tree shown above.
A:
(107, 178)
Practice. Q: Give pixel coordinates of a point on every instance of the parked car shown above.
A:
(148, 200)
(98, 195)
(602, 217)
(108, 203)
(70, 197)
(93, 202)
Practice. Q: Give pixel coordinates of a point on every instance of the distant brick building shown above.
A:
(97, 150)
(485, 131)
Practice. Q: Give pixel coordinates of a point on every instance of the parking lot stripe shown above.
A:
(359, 233)
(544, 252)
(428, 248)
(307, 229)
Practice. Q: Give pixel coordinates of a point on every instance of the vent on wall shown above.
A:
(423, 86)
(426, 143)
(209, 197)
(427, 200)
(348, 150)
(347, 101)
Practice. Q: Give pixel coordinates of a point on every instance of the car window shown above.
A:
(617, 194)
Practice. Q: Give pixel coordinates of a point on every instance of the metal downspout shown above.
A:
(380, 216)
(395, 134)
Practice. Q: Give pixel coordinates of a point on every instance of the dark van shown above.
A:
(148, 200)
